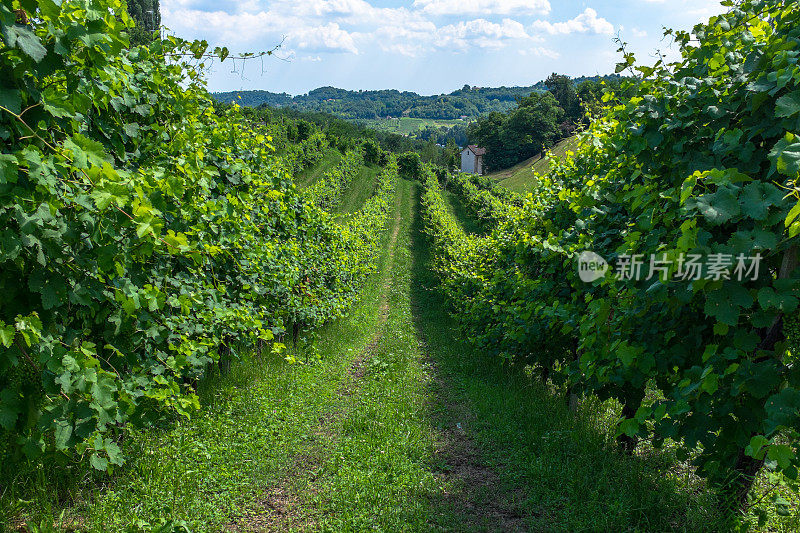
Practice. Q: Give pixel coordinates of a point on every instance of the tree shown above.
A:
(521, 133)
(563, 89)
(147, 15)
(372, 152)
(451, 152)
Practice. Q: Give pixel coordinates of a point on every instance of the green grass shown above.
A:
(310, 175)
(459, 211)
(389, 421)
(568, 472)
(408, 125)
(360, 189)
(375, 474)
(520, 177)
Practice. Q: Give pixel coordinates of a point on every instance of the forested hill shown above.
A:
(467, 101)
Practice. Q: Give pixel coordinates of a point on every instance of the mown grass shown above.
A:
(570, 473)
(375, 474)
(459, 211)
(309, 176)
(520, 177)
(360, 189)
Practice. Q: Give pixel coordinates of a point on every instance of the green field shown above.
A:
(519, 177)
(407, 125)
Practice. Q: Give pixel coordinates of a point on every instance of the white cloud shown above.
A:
(483, 7)
(586, 22)
(480, 33)
(328, 37)
(313, 27)
(539, 51)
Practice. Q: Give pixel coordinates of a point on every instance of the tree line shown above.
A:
(541, 119)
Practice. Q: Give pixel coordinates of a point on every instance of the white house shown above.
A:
(472, 159)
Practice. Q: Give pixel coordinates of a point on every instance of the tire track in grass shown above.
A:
(279, 509)
(394, 452)
(473, 497)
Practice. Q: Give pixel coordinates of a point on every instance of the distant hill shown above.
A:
(469, 102)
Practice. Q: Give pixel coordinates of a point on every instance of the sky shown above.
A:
(425, 46)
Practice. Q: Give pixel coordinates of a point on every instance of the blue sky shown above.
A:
(426, 46)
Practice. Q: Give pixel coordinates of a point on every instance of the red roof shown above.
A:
(476, 150)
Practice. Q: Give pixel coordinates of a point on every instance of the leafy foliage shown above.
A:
(147, 17)
(146, 234)
(699, 161)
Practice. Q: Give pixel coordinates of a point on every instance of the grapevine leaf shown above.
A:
(720, 206)
(788, 105)
(24, 39)
(786, 155)
(8, 169)
(781, 453)
(756, 447)
(63, 434)
(131, 129)
(98, 462)
(11, 99)
(782, 409)
(7, 334)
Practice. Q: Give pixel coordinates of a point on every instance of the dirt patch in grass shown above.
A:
(280, 508)
(477, 497)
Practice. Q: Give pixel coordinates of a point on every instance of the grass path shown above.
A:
(389, 423)
(393, 456)
(359, 190)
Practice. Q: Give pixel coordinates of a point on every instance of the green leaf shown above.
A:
(720, 206)
(786, 156)
(783, 409)
(102, 198)
(788, 105)
(98, 462)
(629, 427)
(11, 99)
(25, 40)
(7, 334)
(114, 453)
(768, 298)
(131, 129)
(756, 446)
(753, 201)
(9, 168)
(63, 434)
(144, 228)
(92, 151)
(792, 214)
(781, 453)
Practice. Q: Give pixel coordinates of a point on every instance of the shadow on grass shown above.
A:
(559, 468)
(457, 208)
